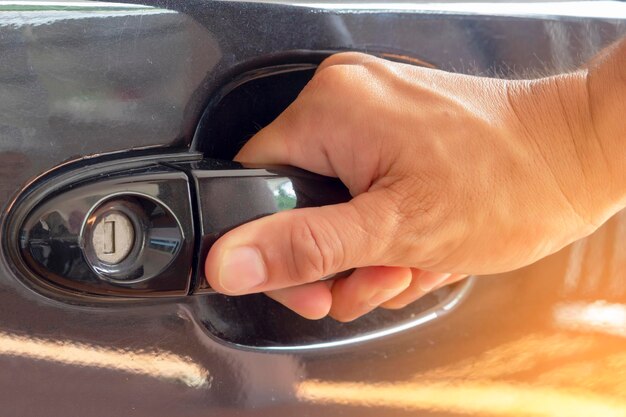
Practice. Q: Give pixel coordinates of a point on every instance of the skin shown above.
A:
(450, 174)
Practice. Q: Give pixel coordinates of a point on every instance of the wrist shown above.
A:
(557, 123)
(606, 91)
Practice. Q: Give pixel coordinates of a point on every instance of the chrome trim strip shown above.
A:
(73, 4)
(426, 317)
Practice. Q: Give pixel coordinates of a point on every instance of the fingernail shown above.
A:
(241, 269)
(428, 282)
(382, 296)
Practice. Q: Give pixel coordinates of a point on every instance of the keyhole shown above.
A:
(113, 237)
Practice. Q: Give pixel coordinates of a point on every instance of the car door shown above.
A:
(142, 103)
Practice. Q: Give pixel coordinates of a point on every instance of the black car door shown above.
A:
(143, 101)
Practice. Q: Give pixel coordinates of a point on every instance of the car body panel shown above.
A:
(96, 80)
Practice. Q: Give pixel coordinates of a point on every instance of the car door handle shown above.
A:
(144, 229)
(228, 194)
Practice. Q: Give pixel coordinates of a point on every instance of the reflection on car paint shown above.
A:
(479, 398)
(597, 316)
(157, 364)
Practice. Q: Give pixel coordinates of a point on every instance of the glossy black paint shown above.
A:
(98, 82)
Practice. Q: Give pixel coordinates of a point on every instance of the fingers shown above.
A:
(363, 291)
(453, 278)
(297, 136)
(427, 281)
(410, 294)
(422, 283)
(311, 301)
(366, 289)
(301, 246)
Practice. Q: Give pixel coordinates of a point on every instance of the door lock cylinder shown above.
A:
(113, 238)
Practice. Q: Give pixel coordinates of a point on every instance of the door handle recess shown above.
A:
(143, 231)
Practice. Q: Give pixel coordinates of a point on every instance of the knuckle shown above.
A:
(334, 78)
(312, 252)
(348, 85)
(345, 58)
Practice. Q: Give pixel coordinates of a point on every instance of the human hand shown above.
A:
(451, 175)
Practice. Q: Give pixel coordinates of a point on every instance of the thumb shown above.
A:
(300, 246)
